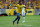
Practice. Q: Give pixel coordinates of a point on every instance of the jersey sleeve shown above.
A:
(24, 6)
(17, 5)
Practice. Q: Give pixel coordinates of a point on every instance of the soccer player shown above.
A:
(23, 14)
(18, 18)
(21, 10)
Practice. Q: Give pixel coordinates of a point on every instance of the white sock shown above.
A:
(23, 18)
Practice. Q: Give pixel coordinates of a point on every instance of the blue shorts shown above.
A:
(18, 14)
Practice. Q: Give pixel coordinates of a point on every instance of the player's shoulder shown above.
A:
(23, 5)
(17, 4)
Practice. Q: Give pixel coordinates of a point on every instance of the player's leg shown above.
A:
(23, 18)
(18, 20)
(18, 16)
(23, 14)
(15, 20)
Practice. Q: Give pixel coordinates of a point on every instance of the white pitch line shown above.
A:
(23, 25)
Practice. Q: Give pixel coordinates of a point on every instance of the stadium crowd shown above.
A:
(9, 4)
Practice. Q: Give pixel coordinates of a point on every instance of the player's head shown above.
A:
(20, 3)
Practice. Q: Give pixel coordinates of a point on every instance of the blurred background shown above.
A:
(8, 13)
(7, 7)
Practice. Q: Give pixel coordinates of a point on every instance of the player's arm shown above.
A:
(16, 5)
(24, 6)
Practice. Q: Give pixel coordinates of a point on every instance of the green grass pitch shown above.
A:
(30, 21)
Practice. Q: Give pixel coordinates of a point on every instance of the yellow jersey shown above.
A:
(19, 8)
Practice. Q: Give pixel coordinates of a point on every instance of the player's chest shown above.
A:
(20, 7)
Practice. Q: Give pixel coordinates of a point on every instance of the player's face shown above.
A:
(20, 3)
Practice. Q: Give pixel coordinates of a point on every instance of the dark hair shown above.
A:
(19, 1)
